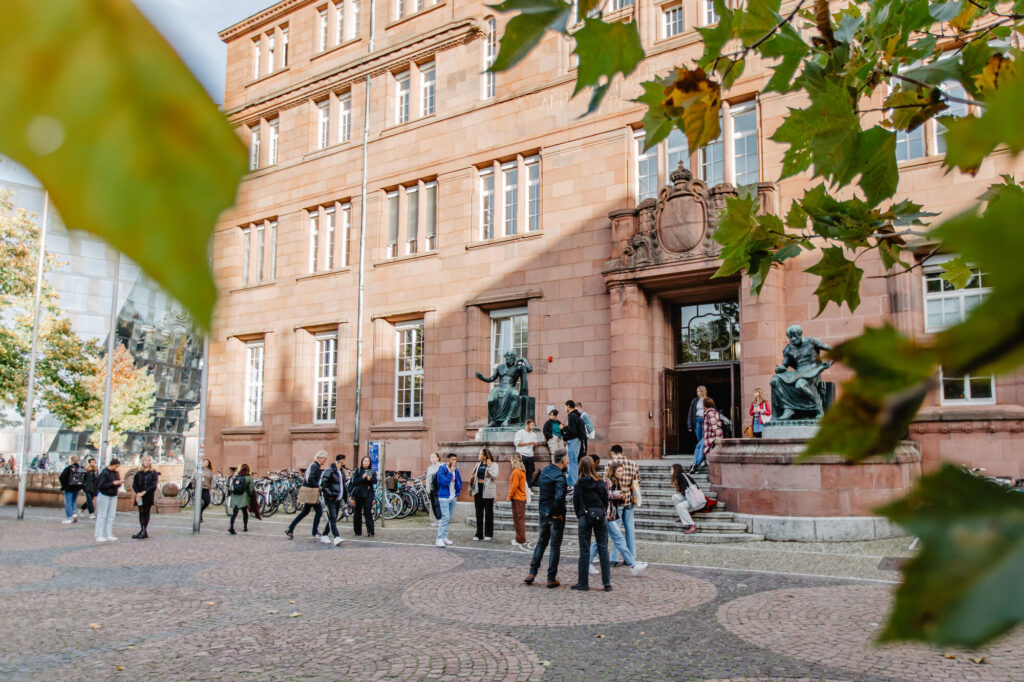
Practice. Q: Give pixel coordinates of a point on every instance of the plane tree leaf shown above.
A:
(525, 30)
(840, 279)
(599, 64)
(98, 107)
(970, 139)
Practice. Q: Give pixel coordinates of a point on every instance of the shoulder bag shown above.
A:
(637, 497)
(309, 494)
(695, 496)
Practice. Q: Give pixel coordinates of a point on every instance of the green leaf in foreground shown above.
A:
(656, 122)
(971, 138)
(525, 30)
(965, 586)
(840, 279)
(604, 51)
(98, 106)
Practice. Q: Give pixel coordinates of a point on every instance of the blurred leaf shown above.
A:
(525, 30)
(996, 73)
(656, 123)
(840, 279)
(604, 51)
(971, 138)
(964, 586)
(912, 105)
(99, 108)
(944, 11)
(957, 272)
(757, 21)
(892, 376)
(730, 70)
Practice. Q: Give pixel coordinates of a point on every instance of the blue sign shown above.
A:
(373, 451)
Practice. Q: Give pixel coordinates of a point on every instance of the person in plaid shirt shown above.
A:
(628, 473)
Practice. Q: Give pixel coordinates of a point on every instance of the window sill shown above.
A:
(314, 429)
(270, 75)
(497, 241)
(262, 170)
(325, 273)
(330, 149)
(251, 432)
(336, 48)
(412, 122)
(405, 259)
(411, 426)
(251, 287)
(408, 17)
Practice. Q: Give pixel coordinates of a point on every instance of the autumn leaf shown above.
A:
(997, 72)
(691, 96)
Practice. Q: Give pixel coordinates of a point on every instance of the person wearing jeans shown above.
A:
(313, 474)
(334, 492)
(628, 473)
(449, 487)
(590, 501)
(89, 487)
(575, 435)
(614, 478)
(484, 484)
(551, 513)
(71, 480)
(711, 435)
(107, 485)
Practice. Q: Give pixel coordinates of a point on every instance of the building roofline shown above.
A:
(259, 18)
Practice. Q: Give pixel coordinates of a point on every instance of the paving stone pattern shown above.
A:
(259, 606)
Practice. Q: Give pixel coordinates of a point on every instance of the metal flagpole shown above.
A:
(30, 390)
(105, 426)
(197, 483)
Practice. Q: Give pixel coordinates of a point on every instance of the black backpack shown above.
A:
(238, 485)
(77, 477)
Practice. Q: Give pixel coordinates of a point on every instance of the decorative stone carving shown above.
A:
(682, 214)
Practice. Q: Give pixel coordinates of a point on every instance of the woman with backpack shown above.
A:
(687, 498)
(590, 502)
(89, 486)
(434, 509)
(144, 485)
(71, 480)
(712, 436)
(242, 489)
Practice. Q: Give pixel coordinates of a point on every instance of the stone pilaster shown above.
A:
(631, 404)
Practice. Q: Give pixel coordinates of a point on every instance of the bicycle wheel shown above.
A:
(290, 503)
(392, 505)
(376, 508)
(185, 496)
(409, 503)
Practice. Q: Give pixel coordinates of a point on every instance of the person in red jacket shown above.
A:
(759, 410)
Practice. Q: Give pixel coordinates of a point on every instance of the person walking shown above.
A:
(92, 475)
(364, 479)
(312, 480)
(551, 515)
(526, 439)
(712, 434)
(681, 481)
(695, 419)
(242, 489)
(760, 413)
(575, 435)
(335, 492)
(588, 422)
(485, 478)
(614, 482)
(590, 502)
(71, 480)
(144, 486)
(517, 496)
(434, 508)
(107, 484)
(205, 486)
(449, 487)
(629, 477)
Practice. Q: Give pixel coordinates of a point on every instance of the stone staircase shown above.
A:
(656, 519)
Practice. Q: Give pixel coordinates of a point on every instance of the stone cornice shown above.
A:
(258, 19)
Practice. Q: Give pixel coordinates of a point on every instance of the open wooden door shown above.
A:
(670, 414)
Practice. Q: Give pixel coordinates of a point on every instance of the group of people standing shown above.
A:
(101, 489)
(327, 492)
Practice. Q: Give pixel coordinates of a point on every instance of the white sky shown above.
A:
(191, 26)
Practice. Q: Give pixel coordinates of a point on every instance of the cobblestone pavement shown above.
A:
(258, 606)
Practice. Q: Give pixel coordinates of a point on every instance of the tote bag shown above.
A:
(695, 496)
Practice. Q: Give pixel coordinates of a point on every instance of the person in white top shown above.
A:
(526, 439)
(434, 508)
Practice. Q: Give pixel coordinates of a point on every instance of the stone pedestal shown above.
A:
(803, 429)
(820, 498)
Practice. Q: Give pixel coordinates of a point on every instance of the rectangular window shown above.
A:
(490, 53)
(345, 117)
(910, 144)
(346, 232)
(712, 161)
(274, 133)
(402, 97)
(430, 214)
(409, 371)
(621, 4)
(672, 21)
(329, 215)
(533, 194)
(957, 109)
(392, 224)
(246, 247)
(710, 15)
(326, 397)
(355, 17)
(314, 240)
(339, 23)
(399, 9)
(284, 46)
(678, 149)
(744, 142)
(322, 31)
(646, 170)
(254, 147)
(257, 56)
(508, 333)
(273, 250)
(260, 246)
(254, 382)
(323, 126)
(960, 390)
(412, 205)
(427, 77)
(510, 190)
(945, 306)
(271, 52)
(487, 204)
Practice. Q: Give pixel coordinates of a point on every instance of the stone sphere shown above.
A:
(170, 489)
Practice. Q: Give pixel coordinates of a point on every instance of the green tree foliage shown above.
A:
(64, 361)
(864, 73)
(132, 396)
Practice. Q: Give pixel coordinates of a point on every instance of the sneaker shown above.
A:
(101, 539)
(288, 532)
(74, 519)
(440, 543)
(315, 535)
(338, 541)
(92, 516)
(488, 539)
(448, 542)
(691, 529)
(66, 522)
(514, 543)
(593, 570)
(325, 539)
(476, 539)
(638, 567)
(111, 538)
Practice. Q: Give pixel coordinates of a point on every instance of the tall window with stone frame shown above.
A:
(509, 197)
(411, 218)
(257, 57)
(254, 147)
(621, 4)
(709, 14)
(331, 218)
(533, 193)
(345, 117)
(427, 88)
(273, 250)
(323, 123)
(321, 31)
(346, 232)
(487, 203)
(430, 214)
(401, 97)
(273, 127)
(259, 251)
(510, 191)
(490, 54)
(671, 20)
(271, 51)
(339, 22)
(326, 391)
(261, 236)
(246, 250)
(509, 330)
(393, 217)
(744, 143)
(314, 239)
(646, 169)
(409, 371)
(254, 382)
(284, 46)
(711, 160)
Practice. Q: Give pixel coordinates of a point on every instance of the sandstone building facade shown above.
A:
(496, 216)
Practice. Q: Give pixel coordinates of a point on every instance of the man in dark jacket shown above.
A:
(552, 518)
(334, 491)
(312, 481)
(71, 480)
(575, 435)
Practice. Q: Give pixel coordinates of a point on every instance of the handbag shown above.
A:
(695, 496)
(556, 445)
(765, 418)
(748, 431)
(309, 495)
(638, 500)
(595, 514)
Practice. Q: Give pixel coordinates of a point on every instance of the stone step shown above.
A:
(676, 535)
(645, 512)
(658, 524)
